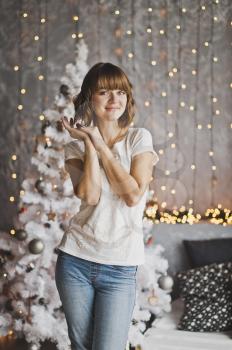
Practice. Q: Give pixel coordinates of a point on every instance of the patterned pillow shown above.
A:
(207, 293)
(206, 281)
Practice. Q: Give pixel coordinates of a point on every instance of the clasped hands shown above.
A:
(84, 133)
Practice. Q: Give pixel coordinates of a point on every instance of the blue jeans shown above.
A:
(98, 302)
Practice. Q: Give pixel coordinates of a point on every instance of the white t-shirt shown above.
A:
(110, 232)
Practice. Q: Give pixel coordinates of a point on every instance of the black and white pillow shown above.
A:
(207, 293)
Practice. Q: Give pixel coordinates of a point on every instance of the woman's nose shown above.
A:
(112, 96)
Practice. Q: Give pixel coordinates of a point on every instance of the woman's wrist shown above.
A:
(89, 145)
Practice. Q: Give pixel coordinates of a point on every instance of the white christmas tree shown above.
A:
(29, 298)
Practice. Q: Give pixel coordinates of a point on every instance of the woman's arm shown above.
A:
(130, 187)
(86, 176)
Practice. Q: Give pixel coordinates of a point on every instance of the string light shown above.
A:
(43, 20)
(75, 18)
(13, 157)
(153, 63)
(23, 91)
(16, 68)
(178, 27)
(36, 37)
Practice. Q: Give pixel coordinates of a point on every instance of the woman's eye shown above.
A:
(103, 92)
(121, 92)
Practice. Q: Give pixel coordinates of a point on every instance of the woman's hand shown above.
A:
(95, 136)
(74, 131)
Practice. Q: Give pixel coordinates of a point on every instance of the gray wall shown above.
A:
(98, 23)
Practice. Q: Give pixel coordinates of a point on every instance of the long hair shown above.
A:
(103, 76)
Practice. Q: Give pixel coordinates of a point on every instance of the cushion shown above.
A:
(207, 293)
(206, 252)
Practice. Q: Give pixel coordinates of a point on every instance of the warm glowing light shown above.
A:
(163, 204)
(148, 30)
(174, 70)
(193, 166)
(41, 77)
(20, 107)
(170, 74)
(167, 172)
(206, 43)
(217, 112)
(173, 145)
(170, 134)
(154, 64)
(12, 198)
(173, 191)
(149, 43)
(214, 167)
(147, 103)
(164, 94)
(13, 157)
(162, 32)
(209, 126)
(43, 20)
(184, 10)
(129, 32)
(215, 18)
(36, 37)
(161, 151)
(80, 35)
(210, 153)
(23, 91)
(74, 36)
(183, 86)
(169, 111)
(199, 126)
(149, 9)
(194, 72)
(130, 55)
(215, 59)
(191, 108)
(178, 27)
(203, 7)
(16, 68)
(14, 176)
(116, 12)
(22, 192)
(25, 15)
(182, 103)
(75, 18)
(39, 58)
(163, 188)
(214, 99)
(12, 231)
(194, 51)
(41, 117)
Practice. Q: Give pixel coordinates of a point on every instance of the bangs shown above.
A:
(111, 79)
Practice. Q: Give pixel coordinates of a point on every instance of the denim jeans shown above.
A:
(98, 302)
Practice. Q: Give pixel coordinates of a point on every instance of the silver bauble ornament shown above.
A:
(20, 234)
(36, 246)
(166, 282)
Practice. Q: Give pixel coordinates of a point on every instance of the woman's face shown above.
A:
(109, 104)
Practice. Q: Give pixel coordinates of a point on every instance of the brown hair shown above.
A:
(103, 76)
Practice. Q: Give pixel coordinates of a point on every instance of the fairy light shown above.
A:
(194, 51)
(23, 91)
(13, 157)
(149, 43)
(173, 145)
(80, 35)
(147, 103)
(182, 104)
(149, 30)
(14, 176)
(170, 111)
(130, 55)
(129, 32)
(161, 151)
(217, 112)
(191, 108)
(43, 20)
(194, 72)
(162, 32)
(39, 58)
(41, 77)
(203, 7)
(36, 37)
(74, 36)
(25, 15)
(199, 126)
(12, 231)
(11, 198)
(41, 117)
(163, 94)
(170, 134)
(149, 9)
(206, 43)
(211, 153)
(153, 63)
(178, 27)
(116, 12)
(193, 166)
(20, 107)
(75, 18)
(183, 86)
(16, 68)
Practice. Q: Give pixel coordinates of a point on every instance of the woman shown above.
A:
(110, 164)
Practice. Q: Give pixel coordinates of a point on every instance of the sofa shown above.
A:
(171, 331)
